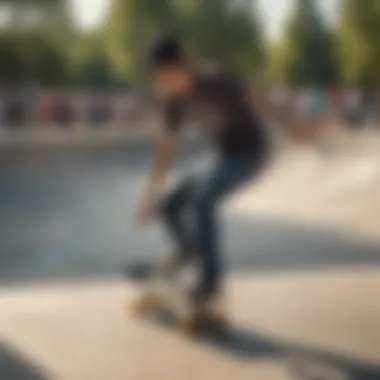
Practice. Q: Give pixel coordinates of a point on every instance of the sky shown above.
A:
(91, 12)
(275, 13)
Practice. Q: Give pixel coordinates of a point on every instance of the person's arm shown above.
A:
(166, 149)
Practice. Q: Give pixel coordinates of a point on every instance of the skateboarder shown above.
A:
(222, 109)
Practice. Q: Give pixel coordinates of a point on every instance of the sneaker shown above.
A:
(176, 262)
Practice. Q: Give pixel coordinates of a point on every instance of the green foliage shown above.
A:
(45, 61)
(226, 31)
(31, 58)
(11, 61)
(213, 28)
(309, 47)
(95, 71)
(34, 49)
(275, 70)
(230, 35)
(129, 30)
(359, 42)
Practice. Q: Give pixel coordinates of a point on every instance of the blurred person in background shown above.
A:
(312, 117)
(353, 107)
(313, 108)
(31, 95)
(369, 105)
(15, 110)
(335, 104)
(125, 109)
(2, 109)
(63, 114)
(137, 109)
(40, 111)
(377, 108)
(99, 110)
(297, 108)
(280, 96)
(83, 110)
(118, 105)
(318, 107)
(305, 114)
(73, 100)
(46, 108)
(222, 108)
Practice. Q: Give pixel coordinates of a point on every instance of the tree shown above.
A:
(130, 28)
(96, 71)
(31, 43)
(229, 33)
(309, 47)
(23, 16)
(276, 57)
(11, 61)
(359, 42)
(218, 29)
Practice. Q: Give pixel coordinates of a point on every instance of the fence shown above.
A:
(41, 110)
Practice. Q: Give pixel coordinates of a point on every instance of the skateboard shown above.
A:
(166, 302)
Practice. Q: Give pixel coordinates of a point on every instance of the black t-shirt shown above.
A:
(219, 105)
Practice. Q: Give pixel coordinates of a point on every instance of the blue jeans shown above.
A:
(189, 211)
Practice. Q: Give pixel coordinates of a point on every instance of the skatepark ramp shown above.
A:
(337, 188)
(302, 290)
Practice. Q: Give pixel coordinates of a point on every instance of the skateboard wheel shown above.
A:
(216, 314)
(189, 325)
(144, 305)
(217, 321)
(202, 323)
(137, 308)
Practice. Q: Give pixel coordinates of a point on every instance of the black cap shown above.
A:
(166, 50)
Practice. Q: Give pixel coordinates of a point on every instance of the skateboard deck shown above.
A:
(167, 303)
(171, 312)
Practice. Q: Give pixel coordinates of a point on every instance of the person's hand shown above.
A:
(146, 212)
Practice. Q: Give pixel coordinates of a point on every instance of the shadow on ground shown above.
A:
(302, 362)
(14, 366)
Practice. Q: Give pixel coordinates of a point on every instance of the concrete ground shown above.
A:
(304, 297)
(334, 188)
